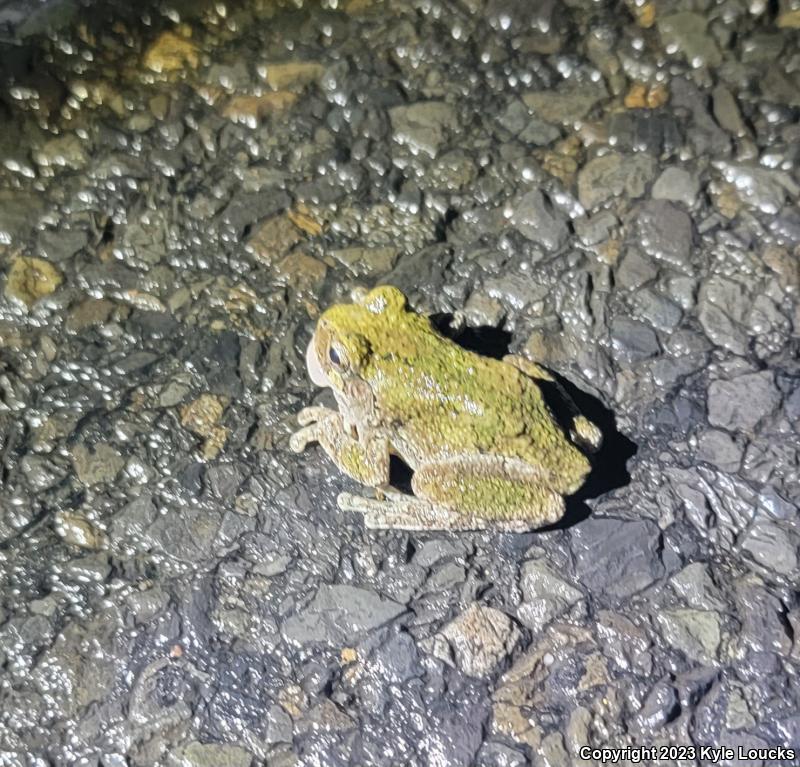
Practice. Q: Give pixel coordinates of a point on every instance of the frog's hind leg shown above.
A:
(465, 493)
(398, 511)
(582, 432)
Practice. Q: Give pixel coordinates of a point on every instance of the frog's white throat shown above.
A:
(315, 370)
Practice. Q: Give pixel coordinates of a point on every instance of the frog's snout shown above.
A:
(315, 371)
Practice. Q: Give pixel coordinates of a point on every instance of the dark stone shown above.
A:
(632, 340)
(616, 557)
(656, 131)
(665, 233)
(659, 708)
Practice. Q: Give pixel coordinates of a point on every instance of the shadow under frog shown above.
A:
(488, 447)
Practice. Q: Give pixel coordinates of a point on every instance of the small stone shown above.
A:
(252, 110)
(644, 13)
(292, 74)
(685, 33)
(740, 404)
(719, 448)
(635, 270)
(481, 309)
(762, 188)
(453, 171)
(159, 105)
(772, 546)
(661, 706)
(650, 131)
(30, 279)
(517, 120)
(614, 175)
(764, 625)
(76, 530)
(656, 310)
(597, 228)
(538, 133)
(726, 112)
(59, 245)
(725, 198)
(566, 103)
(737, 714)
(552, 751)
(96, 466)
(279, 727)
(91, 312)
(694, 584)
(545, 595)
(616, 556)
(170, 53)
(301, 271)
(559, 165)
(339, 614)
(632, 340)
(197, 754)
(533, 217)
(66, 151)
(201, 417)
(642, 96)
(479, 639)
(367, 261)
(722, 307)
(676, 185)
(424, 126)
(665, 233)
(19, 213)
(788, 15)
(273, 238)
(694, 632)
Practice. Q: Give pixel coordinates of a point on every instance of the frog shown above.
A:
(485, 448)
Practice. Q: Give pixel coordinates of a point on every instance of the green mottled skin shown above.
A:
(477, 431)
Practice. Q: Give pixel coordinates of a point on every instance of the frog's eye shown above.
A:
(334, 357)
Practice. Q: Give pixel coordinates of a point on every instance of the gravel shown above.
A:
(611, 191)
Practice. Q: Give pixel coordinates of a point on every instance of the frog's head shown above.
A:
(347, 335)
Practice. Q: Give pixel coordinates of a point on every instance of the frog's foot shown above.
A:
(314, 414)
(586, 434)
(398, 511)
(315, 422)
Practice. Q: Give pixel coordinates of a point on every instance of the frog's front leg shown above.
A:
(480, 492)
(365, 458)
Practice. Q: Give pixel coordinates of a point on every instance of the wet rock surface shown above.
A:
(183, 188)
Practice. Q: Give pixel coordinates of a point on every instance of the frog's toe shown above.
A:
(586, 434)
(349, 502)
(301, 438)
(312, 414)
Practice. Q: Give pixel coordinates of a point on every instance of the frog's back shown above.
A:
(445, 400)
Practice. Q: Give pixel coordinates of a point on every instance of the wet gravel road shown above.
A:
(611, 186)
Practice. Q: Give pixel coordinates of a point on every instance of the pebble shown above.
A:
(740, 404)
(676, 185)
(566, 104)
(535, 218)
(685, 33)
(338, 614)
(30, 279)
(665, 233)
(424, 126)
(697, 633)
(614, 175)
(479, 639)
